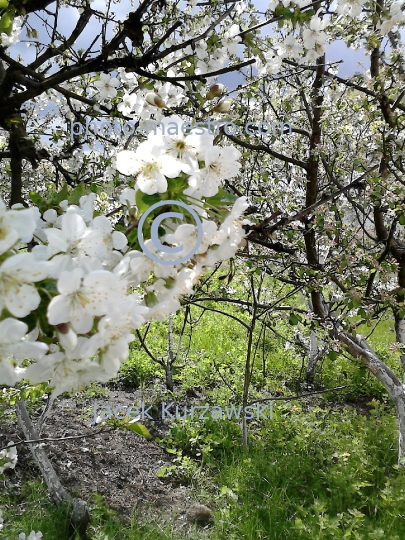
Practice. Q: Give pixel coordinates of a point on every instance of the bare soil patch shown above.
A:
(119, 465)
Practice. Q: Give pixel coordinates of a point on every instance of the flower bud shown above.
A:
(154, 99)
(215, 91)
(63, 328)
(223, 106)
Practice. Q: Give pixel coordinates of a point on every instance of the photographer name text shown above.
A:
(172, 411)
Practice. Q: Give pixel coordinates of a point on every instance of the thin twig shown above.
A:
(34, 441)
(290, 398)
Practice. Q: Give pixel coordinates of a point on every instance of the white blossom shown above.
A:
(220, 164)
(17, 273)
(107, 86)
(32, 536)
(14, 345)
(15, 226)
(8, 460)
(82, 298)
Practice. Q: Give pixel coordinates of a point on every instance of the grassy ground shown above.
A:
(310, 472)
(321, 468)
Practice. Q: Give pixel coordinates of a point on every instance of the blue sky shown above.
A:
(351, 60)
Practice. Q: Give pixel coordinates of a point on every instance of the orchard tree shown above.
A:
(89, 263)
(86, 265)
(156, 47)
(58, 298)
(330, 187)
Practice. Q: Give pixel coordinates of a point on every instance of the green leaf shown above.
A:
(144, 201)
(162, 472)
(36, 198)
(140, 429)
(62, 195)
(332, 355)
(6, 23)
(176, 185)
(3, 4)
(222, 198)
(287, 13)
(170, 283)
(133, 237)
(293, 320)
(150, 299)
(356, 302)
(77, 193)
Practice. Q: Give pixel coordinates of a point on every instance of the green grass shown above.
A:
(310, 472)
(318, 474)
(317, 470)
(32, 510)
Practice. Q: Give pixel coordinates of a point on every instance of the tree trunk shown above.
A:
(359, 347)
(400, 336)
(313, 358)
(79, 515)
(313, 353)
(248, 375)
(169, 377)
(169, 362)
(400, 408)
(400, 405)
(16, 172)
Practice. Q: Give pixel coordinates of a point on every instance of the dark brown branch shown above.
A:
(348, 83)
(245, 303)
(268, 150)
(278, 247)
(170, 31)
(300, 215)
(202, 77)
(35, 5)
(154, 358)
(51, 52)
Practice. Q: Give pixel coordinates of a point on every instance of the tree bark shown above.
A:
(359, 347)
(400, 337)
(79, 515)
(313, 358)
(356, 346)
(169, 362)
(16, 172)
(313, 352)
(248, 369)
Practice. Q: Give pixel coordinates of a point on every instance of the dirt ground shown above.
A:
(119, 465)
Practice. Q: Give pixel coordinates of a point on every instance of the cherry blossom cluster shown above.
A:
(306, 42)
(32, 536)
(69, 304)
(8, 460)
(303, 37)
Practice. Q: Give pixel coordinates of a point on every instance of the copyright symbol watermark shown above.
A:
(155, 236)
